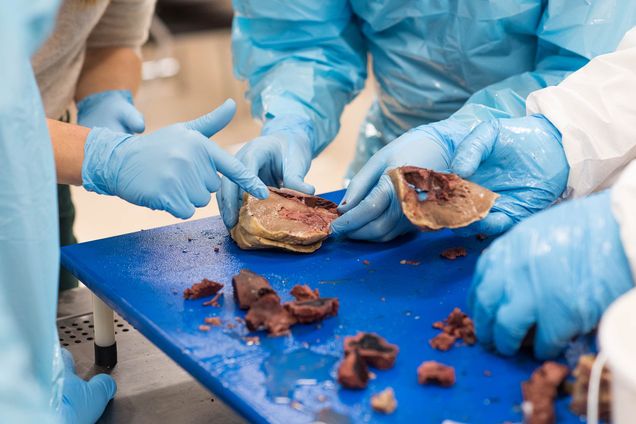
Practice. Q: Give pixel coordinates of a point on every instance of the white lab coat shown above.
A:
(595, 111)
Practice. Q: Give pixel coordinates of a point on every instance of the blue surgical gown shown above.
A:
(430, 58)
(30, 362)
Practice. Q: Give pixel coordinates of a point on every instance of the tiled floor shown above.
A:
(204, 81)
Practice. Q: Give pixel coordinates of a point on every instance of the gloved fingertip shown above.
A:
(183, 212)
(461, 168)
(298, 184)
(341, 226)
(309, 189)
(229, 103)
(336, 236)
(493, 224)
(256, 188)
(552, 338)
(227, 110)
(505, 349)
(484, 333)
(104, 383)
(345, 205)
(229, 216)
(230, 221)
(67, 358)
(505, 342)
(229, 202)
(470, 230)
(261, 192)
(137, 124)
(214, 121)
(334, 231)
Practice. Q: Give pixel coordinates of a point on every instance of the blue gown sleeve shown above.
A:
(22, 398)
(570, 33)
(30, 365)
(306, 59)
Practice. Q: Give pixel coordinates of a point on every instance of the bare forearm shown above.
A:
(68, 148)
(109, 68)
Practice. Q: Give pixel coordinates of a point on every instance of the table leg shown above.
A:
(104, 329)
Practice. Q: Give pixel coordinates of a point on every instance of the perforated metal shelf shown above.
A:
(80, 329)
(151, 388)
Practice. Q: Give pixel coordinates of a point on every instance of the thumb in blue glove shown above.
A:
(112, 109)
(172, 169)
(522, 160)
(370, 207)
(83, 402)
(558, 270)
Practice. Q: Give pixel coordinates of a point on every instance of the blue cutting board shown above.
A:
(292, 379)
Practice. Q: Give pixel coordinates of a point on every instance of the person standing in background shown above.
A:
(38, 383)
(441, 69)
(561, 269)
(172, 169)
(92, 58)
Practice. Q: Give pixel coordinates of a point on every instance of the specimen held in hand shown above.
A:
(287, 220)
(434, 200)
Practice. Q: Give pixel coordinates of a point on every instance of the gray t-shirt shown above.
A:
(81, 24)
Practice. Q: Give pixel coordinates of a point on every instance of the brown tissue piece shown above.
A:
(287, 220)
(456, 326)
(375, 350)
(431, 372)
(249, 287)
(540, 391)
(451, 202)
(204, 288)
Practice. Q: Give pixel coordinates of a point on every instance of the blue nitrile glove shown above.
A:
(520, 159)
(172, 169)
(558, 270)
(281, 157)
(371, 208)
(112, 109)
(83, 402)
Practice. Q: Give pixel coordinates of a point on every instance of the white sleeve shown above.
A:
(624, 210)
(595, 111)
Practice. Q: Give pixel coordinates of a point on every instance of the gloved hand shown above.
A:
(558, 270)
(281, 157)
(522, 160)
(371, 210)
(172, 169)
(112, 109)
(83, 402)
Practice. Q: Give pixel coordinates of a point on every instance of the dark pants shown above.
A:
(67, 217)
(66, 213)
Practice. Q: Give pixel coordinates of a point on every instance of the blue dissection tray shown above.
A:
(292, 379)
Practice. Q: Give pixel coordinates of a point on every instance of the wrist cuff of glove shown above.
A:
(294, 124)
(93, 99)
(101, 162)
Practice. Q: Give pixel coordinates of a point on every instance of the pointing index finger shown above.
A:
(234, 170)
